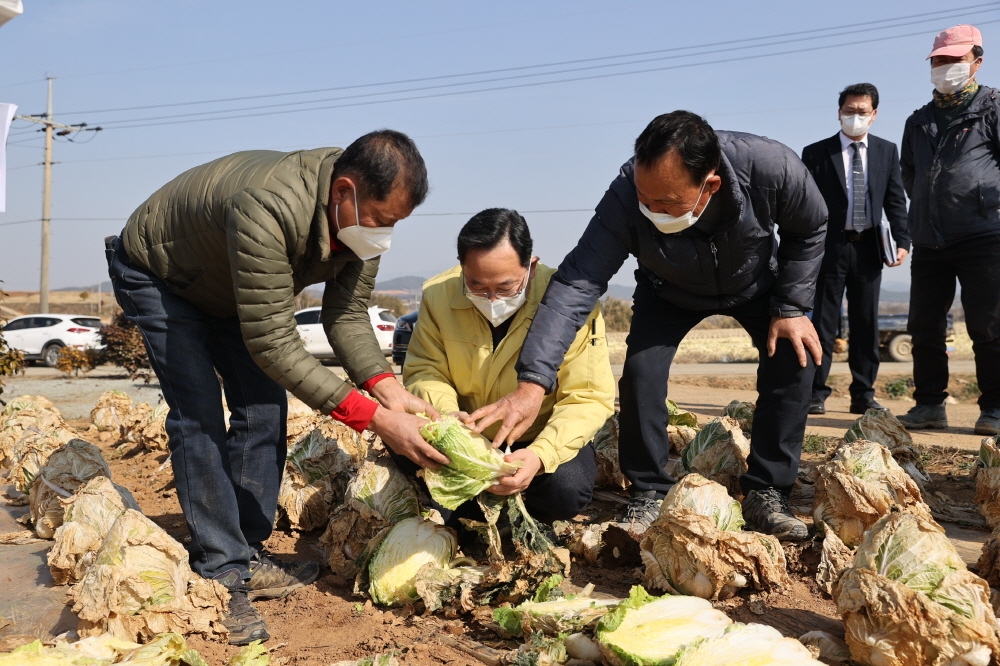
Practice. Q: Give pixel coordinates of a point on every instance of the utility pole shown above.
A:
(50, 125)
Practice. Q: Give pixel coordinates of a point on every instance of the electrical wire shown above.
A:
(139, 123)
(866, 26)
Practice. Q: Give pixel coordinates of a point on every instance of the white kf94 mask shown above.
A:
(666, 223)
(366, 242)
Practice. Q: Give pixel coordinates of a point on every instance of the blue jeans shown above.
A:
(227, 481)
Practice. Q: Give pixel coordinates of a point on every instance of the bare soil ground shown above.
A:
(325, 622)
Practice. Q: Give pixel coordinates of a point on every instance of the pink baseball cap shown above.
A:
(956, 41)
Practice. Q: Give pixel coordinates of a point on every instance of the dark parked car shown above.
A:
(894, 342)
(401, 336)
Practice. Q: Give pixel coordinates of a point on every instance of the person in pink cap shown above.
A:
(950, 163)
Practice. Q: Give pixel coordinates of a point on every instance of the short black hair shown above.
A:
(977, 51)
(687, 133)
(489, 228)
(382, 159)
(858, 90)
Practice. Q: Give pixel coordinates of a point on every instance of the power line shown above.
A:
(866, 26)
(140, 123)
(65, 219)
(341, 45)
(121, 219)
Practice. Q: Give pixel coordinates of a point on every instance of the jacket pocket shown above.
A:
(185, 281)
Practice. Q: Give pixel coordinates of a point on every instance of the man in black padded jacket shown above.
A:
(701, 211)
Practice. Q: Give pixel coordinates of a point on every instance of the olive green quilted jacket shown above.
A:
(241, 236)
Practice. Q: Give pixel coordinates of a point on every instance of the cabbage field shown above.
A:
(898, 572)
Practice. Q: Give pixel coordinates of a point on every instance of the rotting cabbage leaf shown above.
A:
(253, 654)
(988, 481)
(402, 552)
(609, 471)
(552, 617)
(719, 453)
(651, 631)
(475, 464)
(706, 498)
(742, 412)
(316, 474)
(141, 584)
(680, 417)
(909, 599)
(859, 485)
(378, 496)
(167, 649)
(748, 645)
(879, 425)
(696, 545)
(89, 515)
(67, 469)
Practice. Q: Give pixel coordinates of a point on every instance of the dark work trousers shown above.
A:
(560, 495)
(227, 481)
(976, 264)
(784, 389)
(858, 268)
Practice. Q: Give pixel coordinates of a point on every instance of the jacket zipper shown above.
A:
(715, 261)
(935, 161)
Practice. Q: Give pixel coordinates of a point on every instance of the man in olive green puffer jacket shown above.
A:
(208, 268)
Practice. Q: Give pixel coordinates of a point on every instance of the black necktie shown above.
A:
(859, 219)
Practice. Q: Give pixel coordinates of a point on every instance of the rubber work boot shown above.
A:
(988, 423)
(925, 417)
(244, 623)
(769, 511)
(273, 579)
(641, 512)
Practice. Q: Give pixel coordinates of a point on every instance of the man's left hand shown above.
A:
(391, 395)
(511, 485)
(801, 333)
(900, 256)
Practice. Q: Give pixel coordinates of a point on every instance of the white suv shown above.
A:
(309, 324)
(41, 337)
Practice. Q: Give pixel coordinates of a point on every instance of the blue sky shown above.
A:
(535, 142)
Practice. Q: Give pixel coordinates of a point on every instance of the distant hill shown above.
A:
(620, 291)
(408, 283)
(105, 287)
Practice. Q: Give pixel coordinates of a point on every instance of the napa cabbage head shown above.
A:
(910, 550)
(644, 630)
(706, 498)
(405, 548)
(748, 645)
(475, 465)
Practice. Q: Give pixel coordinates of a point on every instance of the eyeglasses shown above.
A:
(499, 294)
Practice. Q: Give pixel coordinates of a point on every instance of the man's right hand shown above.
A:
(399, 431)
(516, 411)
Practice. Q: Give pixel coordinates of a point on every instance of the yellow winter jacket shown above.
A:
(451, 364)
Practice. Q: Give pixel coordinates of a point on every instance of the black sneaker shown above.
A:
(273, 579)
(925, 417)
(642, 511)
(817, 407)
(988, 423)
(244, 623)
(769, 511)
(862, 406)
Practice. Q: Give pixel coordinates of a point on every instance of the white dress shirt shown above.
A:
(848, 153)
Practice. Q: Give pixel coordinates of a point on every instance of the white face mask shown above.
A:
(666, 223)
(951, 78)
(366, 242)
(855, 125)
(502, 309)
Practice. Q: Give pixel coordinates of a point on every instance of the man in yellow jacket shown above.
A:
(472, 322)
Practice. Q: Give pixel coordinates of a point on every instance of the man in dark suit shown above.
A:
(858, 175)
